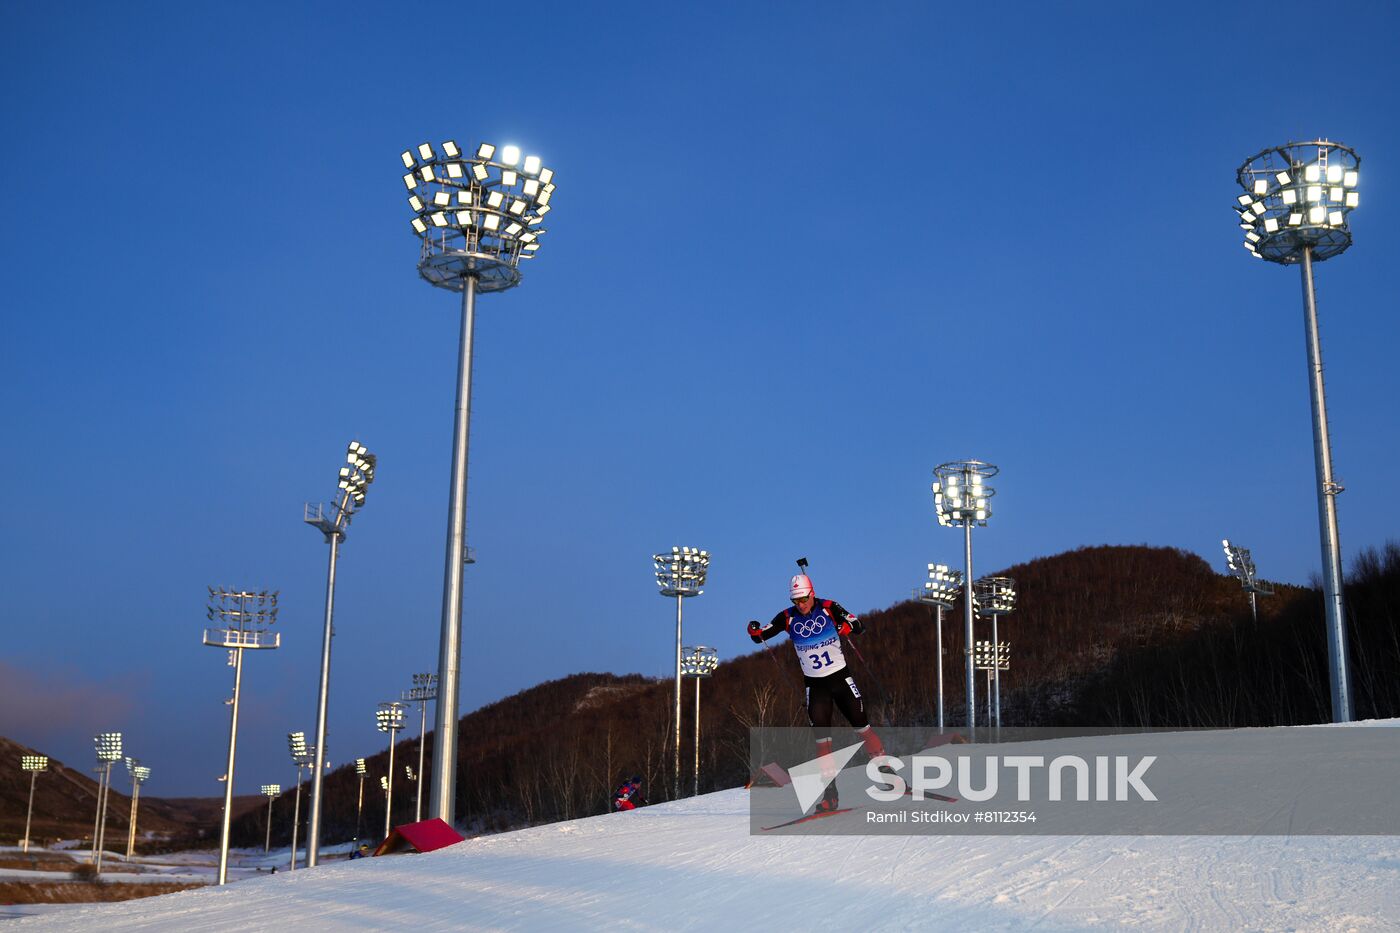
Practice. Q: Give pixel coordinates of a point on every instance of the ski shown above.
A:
(808, 818)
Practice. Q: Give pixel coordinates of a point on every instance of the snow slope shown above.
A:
(693, 865)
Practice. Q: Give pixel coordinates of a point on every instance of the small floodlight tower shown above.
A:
(271, 792)
(681, 574)
(109, 750)
(961, 498)
(34, 764)
(303, 756)
(1241, 565)
(699, 662)
(995, 597)
(139, 775)
(423, 691)
(360, 770)
(940, 591)
(389, 718)
(333, 522)
(1294, 210)
(241, 621)
(991, 657)
(476, 215)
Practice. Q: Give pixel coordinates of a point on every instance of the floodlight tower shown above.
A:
(699, 662)
(991, 657)
(1294, 211)
(680, 573)
(960, 499)
(476, 216)
(33, 764)
(334, 523)
(271, 792)
(1241, 565)
(139, 775)
(360, 770)
(423, 690)
(995, 596)
(241, 621)
(303, 756)
(389, 718)
(941, 591)
(109, 750)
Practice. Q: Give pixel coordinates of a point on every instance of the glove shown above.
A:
(843, 627)
(756, 632)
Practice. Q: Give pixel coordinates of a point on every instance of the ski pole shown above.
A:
(884, 697)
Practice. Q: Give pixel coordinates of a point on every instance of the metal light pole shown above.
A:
(1241, 565)
(389, 718)
(960, 499)
(1294, 211)
(423, 690)
(34, 764)
(100, 771)
(680, 574)
(360, 803)
(271, 792)
(334, 523)
(109, 750)
(242, 618)
(139, 776)
(995, 597)
(302, 756)
(476, 216)
(993, 660)
(699, 662)
(941, 591)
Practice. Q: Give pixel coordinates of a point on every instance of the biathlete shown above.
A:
(815, 627)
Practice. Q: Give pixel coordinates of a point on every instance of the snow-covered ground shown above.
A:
(693, 865)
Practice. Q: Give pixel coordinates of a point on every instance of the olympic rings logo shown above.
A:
(808, 629)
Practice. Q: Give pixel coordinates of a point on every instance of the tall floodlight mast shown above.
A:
(699, 662)
(333, 522)
(241, 619)
(960, 500)
(995, 597)
(1294, 211)
(34, 764)
(476, 217)
(680, 574)
(1241, 565)
(941, 591)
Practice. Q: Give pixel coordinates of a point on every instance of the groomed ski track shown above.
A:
(692, 865)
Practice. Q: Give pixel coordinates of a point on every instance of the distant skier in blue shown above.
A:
(815, 627)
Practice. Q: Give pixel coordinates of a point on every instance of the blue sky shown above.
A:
(800, 255)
